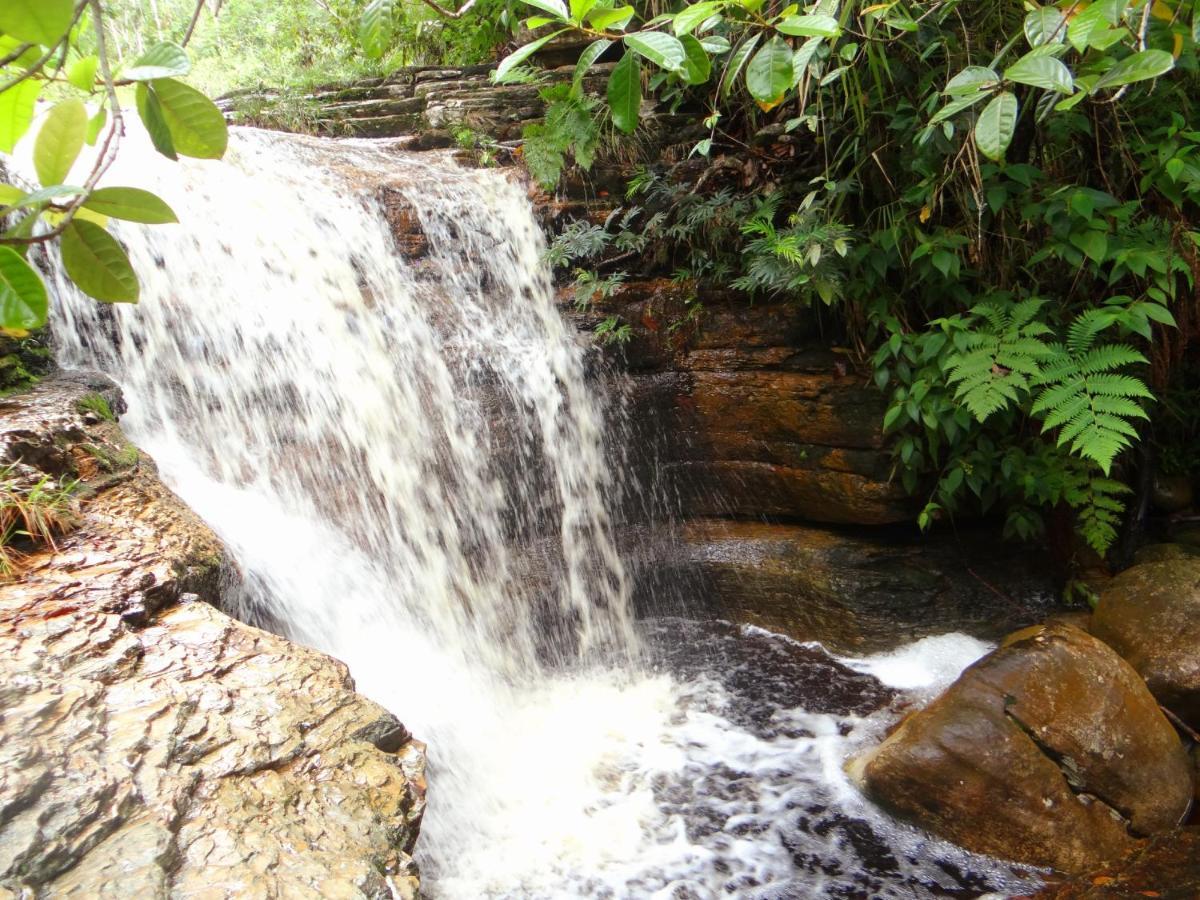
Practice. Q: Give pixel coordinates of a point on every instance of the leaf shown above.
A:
(376, 27)
(1092, 243)
(971, 79)
(802, 57)
(996, 126)
(769, 74)
(1043, 25)
(604, 19)
(690, 18)
(736, 61)
(1042, 72)
(954, 107)
(555, 8)
(1140, 66)
(715, 44)
(196, 125)
(59, 141)
(521, 54)
(580, 8)
(23, 302)
(16, 112)
(660, 48)
(810, 26)
(697, 68)
(160, 61)
(152, 116)
(132, 205)
(625, 93)
(1087, 26)
(21, 200)
(592, 53)
(82, 73)
(37, 21)
(95, 125)
(97, 263)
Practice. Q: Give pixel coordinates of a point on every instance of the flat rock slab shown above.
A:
(152, 746)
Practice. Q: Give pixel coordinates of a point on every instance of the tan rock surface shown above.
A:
(153, 746)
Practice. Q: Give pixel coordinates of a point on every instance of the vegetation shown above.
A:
(96, 404)
(32, 513)
(996, 204)
(58, 51)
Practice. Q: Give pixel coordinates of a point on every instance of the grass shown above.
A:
(95, 403)
(35, 514)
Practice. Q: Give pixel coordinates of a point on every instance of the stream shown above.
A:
(418, 469)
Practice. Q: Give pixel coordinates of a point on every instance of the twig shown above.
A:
(1180, 724)
(191, 29)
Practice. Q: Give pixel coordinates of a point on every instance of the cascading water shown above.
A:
(408, 462)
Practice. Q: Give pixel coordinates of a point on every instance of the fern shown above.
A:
(1085, 396)
(995, 365)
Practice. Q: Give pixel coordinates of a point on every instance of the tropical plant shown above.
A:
(57, 50)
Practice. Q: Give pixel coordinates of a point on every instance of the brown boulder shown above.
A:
(1167, 867)
(1048, 751)
(1150, 614)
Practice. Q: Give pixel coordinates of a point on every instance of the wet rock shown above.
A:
(152, 746)
(858, 592)
(1150, 614)
(1049, 751)
(1164, 552)
(1167, 867)
(1171, 493)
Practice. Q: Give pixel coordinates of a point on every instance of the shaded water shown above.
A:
(415, 472)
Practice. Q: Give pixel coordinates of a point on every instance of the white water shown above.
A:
(409, 464)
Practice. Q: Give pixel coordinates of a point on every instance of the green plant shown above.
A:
(96, 404)
(58, 49)
(33, 513)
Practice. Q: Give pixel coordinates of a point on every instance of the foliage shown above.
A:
(999, 204)
(32, 512)
(59, 51)
(95, 403)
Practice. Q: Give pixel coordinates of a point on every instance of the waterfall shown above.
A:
(415, 471)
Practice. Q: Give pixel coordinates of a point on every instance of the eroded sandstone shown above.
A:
(152, 745)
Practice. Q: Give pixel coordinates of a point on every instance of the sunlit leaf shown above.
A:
(97, 263)
(131, 204)
(625, 93)
(23, 301)
(59, 141)
(37, 21)
(160, 61)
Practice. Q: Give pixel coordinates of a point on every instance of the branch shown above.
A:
(442, 11)
(191, 29)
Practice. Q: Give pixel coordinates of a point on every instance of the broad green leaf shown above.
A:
(689, 18)
(1140, 66)
(625, 93)
(1045, 25)
(160, 61)
(151, 112)
(97, 264)
(809, 26)
(197, 126)
(535, 22)
(769, 74)
(16, 112)
(555, 8)
(1093, 243)
(697, 67)
(996, 126)
(82, 73)
(22, 200)
(59, 141)
(661, 49)
(1089, 26)
(971, 79)
(1042, 72)
(131, 204)
(580, 8)
(954, 107)
(37, 21)
(802, 57)
(714, 44)
(521, 54)
(377, 27)
(591, 53)
(23, 302)
(605, 19)
(95, 125)
(737, 60)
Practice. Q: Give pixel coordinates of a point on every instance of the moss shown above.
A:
(113, 460)
(95, 403)
(23, 361)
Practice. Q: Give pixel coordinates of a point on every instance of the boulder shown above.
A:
(152, 746)
(1049, 751)
(1150, 614)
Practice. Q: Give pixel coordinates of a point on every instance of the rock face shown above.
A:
(152, 746)
(1048, 751)
(1150, 614)
(858, 592)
